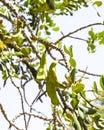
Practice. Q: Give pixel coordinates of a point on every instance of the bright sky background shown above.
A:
(94, 61)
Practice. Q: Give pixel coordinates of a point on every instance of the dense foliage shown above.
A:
(28, 54)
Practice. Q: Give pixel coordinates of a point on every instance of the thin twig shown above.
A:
(5, 116)
(23, 109)
(64, 102)
(88, 101)
(34, 115)
(78, 38)
(77, 30)
(32, 46)
(88, 73)
(55, 118)
(59, 120)
(31, 108)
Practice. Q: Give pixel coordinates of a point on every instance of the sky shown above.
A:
(94, 61)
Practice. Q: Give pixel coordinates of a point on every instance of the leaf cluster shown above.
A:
(27, 54)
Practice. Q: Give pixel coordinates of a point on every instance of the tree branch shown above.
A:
(5, 116)
(88, 73)
(77, 30)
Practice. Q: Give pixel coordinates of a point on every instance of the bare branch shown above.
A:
(23, 109)
(77, 30)
(5, 116)
(34, 115)
(78, 38)
(88, 73)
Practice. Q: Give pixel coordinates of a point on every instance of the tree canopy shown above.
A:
(33, 58)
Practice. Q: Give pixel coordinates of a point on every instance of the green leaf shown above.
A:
(91, 111)
(27, 3)
(42, 72)
(51, 23)
(26, 51)
(52, 83)
(2, 10)
(51, 90)
(76, 123)
(5, 75)
(81, 113)
(100, 37)
(46, 27)
(59, 44)
(53, 77)
(56, 29)
(19, 41)
(17, 53)
(38, 10)
(78, 88)
(71, 51)
(68, 51)
(42, 8)
(96, 117)
(91, 47)
(98, 121)
(102, 82)
(48, 33)
(92, 34)
(16, 75)
(95, 87)
(101, 95)
(98, 125)
(98, 3)
(87, 110)
(42, 26)
(83, 108)
(16, 68)
(68, 116)
(1, 67)
(72, 75)
(51, 4)
(72, 62)
(74, 101)
(91, 127)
